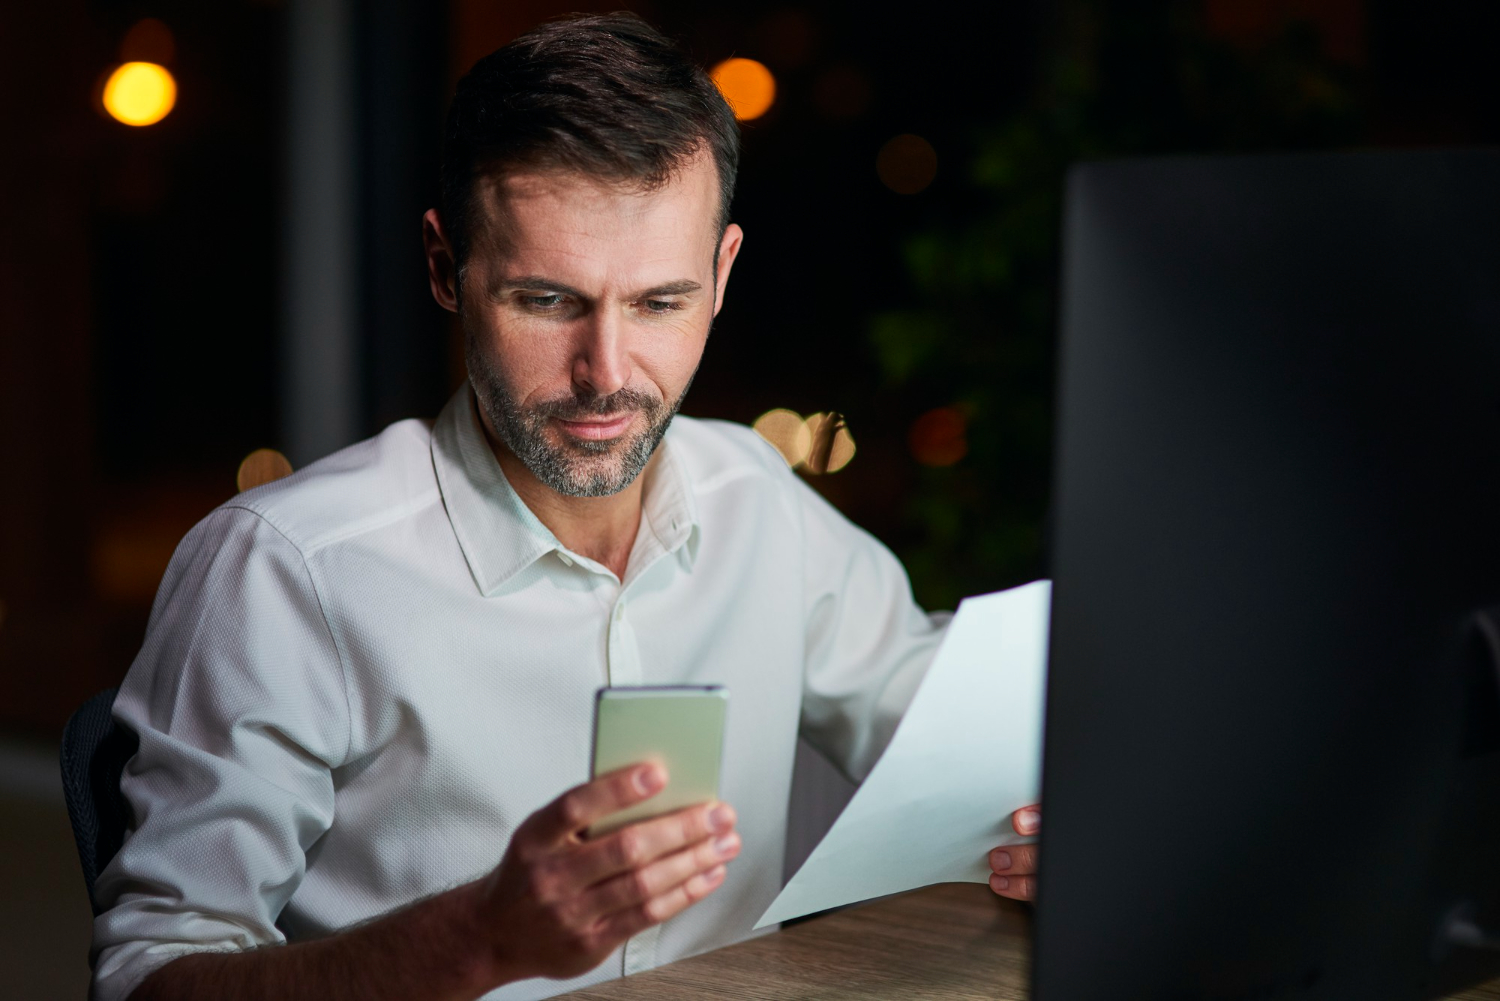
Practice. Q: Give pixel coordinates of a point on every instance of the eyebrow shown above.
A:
(682, 286)
(536, 283)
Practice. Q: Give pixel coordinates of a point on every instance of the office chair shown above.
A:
(94, 751)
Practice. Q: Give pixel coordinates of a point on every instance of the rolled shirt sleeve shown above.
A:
(868, 642)
(239, 699)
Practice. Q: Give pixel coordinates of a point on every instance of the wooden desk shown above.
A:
(957, 941)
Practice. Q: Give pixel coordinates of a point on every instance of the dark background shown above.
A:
(142, 270)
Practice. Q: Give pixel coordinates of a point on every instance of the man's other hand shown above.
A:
(1014, 866)
(558, 904)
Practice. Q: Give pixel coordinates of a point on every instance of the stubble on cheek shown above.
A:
(572, 466)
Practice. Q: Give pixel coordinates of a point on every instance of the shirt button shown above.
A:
(565, 559)
(619, 611)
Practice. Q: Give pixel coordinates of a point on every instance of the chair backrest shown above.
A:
(94, 751)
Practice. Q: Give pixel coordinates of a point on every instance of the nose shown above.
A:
(601, 361)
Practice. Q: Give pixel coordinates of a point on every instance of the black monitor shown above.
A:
(1272, 753)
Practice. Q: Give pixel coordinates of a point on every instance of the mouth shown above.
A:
(597, 428)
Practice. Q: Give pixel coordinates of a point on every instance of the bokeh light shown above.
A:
(787, 432)
(787, 38)
(820, 443)
(842, 92)
(937, 437)
(127, 559)
(906, 164)
(832, 444)
(150, 41)
(747, 85)
(140, 93)
(262, 466)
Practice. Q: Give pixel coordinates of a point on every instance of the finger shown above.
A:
(580, 806)
(640, 885)
(1014, 860)
(633, 920)
(1027, 820)
(1014, 887)
(643, 842)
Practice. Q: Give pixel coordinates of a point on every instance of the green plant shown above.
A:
(978, 334)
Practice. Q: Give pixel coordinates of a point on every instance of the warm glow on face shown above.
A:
(140, 93)
(262, 466)
(787, 432)
(747, 85)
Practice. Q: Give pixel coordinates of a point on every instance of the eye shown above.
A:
(543, 303)
(661, 306)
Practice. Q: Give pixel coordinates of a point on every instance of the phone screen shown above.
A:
(679, 727)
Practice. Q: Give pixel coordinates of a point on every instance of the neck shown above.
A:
(601, 528)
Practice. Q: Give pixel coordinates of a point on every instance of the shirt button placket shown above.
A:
(624, 656)
(625, 669)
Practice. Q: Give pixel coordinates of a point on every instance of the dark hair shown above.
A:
(602, 94)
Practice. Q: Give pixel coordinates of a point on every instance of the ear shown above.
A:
(442, 269)
(729, 249)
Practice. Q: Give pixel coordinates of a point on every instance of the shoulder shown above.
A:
(740, 477)
(716, 453)
(358, 489)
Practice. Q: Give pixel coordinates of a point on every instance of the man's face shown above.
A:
(585, 307)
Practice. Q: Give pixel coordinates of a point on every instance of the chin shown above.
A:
(588, 448)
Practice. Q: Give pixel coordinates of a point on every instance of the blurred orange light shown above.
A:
(148, 40)
(140, 93)
(747, 85)
(906, 164)
(937, 437)
(262, 466)
(126, 561)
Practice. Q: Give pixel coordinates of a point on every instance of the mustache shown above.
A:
(594, 405)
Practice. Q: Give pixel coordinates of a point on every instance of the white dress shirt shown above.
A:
(357, 682)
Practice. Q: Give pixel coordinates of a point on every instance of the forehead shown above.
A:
(562, 223)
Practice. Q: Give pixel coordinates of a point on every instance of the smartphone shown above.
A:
(681, 727)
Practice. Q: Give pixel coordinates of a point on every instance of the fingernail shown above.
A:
(727, 845)
(1027, 821)
(721, 818)
(648, 779)
(1001, 860)
(714, 875)
(1000, 882)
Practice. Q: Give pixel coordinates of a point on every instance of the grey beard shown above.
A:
(576, 468)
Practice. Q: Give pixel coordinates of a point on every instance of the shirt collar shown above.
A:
(499, 534)
(670, 503)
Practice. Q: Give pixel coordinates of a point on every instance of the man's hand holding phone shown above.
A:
(559, 903)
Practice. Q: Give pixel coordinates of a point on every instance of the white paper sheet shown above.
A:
(967, 754)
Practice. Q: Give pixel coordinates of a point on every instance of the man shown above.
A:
(365, 685)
